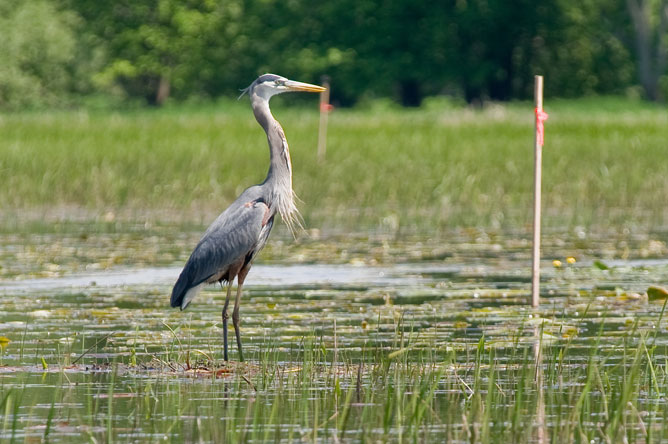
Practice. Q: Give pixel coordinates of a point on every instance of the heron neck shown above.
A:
(279, 176)
(280, 165)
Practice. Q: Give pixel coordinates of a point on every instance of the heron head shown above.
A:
(268, 85)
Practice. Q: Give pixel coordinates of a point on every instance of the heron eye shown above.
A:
(277, 82)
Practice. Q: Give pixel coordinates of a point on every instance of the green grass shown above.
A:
(475, 393)
(436, 168)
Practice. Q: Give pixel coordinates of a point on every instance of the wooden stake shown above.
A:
(324, 111)
(537, 168)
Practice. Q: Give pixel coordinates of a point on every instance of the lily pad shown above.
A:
(657, 293)
(600, 265)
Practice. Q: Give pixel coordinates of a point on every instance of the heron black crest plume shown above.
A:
(228, 247)
(243, 91)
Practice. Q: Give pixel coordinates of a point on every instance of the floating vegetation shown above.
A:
(417, 346)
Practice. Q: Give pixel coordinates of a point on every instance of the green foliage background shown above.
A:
(59, 52)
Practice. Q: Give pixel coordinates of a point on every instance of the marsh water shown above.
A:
(346, 338)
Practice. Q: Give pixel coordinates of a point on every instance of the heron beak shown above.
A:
(291, 85)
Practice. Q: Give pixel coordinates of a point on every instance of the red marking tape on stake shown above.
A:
(541, 116)
(326, 107)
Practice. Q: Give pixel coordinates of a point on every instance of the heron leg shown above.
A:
(237, 302)
(225, 317)
(235, 321)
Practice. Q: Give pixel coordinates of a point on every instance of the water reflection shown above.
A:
(540, 426)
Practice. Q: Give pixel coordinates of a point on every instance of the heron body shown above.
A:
(228, 247)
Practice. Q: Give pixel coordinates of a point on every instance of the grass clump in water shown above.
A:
(515, 391)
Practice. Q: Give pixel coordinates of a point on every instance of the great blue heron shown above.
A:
(234, 239)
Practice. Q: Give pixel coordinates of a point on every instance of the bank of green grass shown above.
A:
(438, 167)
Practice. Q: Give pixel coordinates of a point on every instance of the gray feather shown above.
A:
(240, 232)
(236, 233)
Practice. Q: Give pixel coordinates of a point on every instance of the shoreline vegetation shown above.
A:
(438, 168)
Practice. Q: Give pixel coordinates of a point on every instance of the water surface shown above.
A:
(92, 351)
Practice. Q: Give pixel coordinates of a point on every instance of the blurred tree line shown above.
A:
(55, 52)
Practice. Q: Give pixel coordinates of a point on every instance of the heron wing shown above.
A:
(231, 237)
